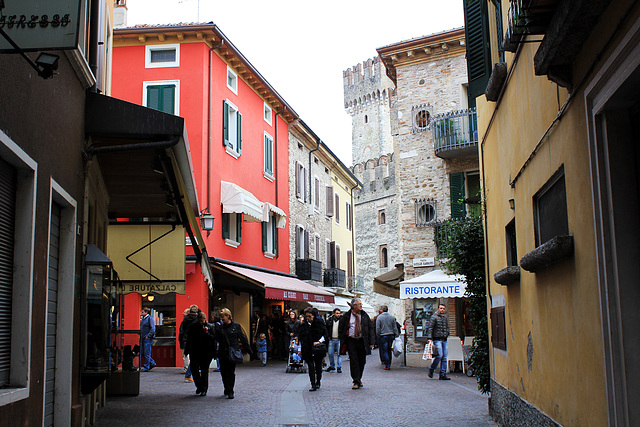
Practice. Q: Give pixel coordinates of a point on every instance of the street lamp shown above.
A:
(206, 220)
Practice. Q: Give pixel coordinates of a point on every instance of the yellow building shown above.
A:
(559, 162)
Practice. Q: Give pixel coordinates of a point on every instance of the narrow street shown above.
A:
(267, 396)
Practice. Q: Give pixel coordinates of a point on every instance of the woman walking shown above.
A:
(313, 338)
(229, 334)
(292, 326)
(200, 347)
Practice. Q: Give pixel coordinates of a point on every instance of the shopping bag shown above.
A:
(397, 346)
(428, 351)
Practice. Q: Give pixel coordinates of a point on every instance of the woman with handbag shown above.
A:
(313, 337)
(231, 339)
(200, 347)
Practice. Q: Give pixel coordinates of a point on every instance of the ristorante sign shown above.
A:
(40, 24)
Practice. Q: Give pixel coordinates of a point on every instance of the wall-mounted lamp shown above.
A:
(150, 298)
(48, 63)
(512, 204)
(206, 220)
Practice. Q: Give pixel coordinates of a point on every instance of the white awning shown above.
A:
(235, 199)
(281, 217)
(435, 284)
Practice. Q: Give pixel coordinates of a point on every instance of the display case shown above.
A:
(163, 311)
(423, 309)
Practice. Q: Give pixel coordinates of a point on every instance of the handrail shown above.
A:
(455, 130)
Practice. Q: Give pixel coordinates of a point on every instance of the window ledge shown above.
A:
(268, 176)
(269, 255)
(231, 243)
(10, 395)
(548, 254)
(508, 275)
(233, 153)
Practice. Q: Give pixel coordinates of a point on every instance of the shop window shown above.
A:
(498, 330)
(550, 209)
(163, 311)
(423, 309)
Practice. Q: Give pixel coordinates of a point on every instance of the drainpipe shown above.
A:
(353, 232)
(209, 104)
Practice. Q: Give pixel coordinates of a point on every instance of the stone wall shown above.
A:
(509, 409)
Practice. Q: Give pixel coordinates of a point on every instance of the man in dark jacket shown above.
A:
(312, 333)
(147, 334)
(190, 317)
(437, 333)
(356, 333)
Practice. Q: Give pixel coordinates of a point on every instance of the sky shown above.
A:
(302, 47)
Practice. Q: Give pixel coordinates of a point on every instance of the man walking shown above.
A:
(386, 332)
(147, 333)
(190, 316)
(334, 341)
(356, 332)
(438, 332)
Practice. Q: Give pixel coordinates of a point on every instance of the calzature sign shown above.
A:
(40, 24)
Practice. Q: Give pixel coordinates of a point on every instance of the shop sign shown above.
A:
(408, 291)
(156, 288)
(424, 262)
(281, 294)
(40, 24)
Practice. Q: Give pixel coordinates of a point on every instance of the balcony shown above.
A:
(309, 269)
(527, 17)
(356, 284)
(455, 134)
(334, 278)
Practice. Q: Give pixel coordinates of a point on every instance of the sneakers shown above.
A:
(152, 366)
(387, 368)
(430, 373)
(339, 370)
(355, 386)
(188, 379)
(444, 377)
(330, 368)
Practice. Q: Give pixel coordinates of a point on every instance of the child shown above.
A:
(295, 350)
(262, 348)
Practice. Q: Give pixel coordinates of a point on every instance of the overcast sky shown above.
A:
(302, 46)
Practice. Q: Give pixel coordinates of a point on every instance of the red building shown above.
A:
(238, 132)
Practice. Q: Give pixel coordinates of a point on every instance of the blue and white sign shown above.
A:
(435, 284)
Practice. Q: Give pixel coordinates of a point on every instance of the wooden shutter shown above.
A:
(332, 255)
(329, 201)
(337, 207)
(498, 330)
(456, 187)
(478, 48)
(225, 225)
(337, 256)
(161, 98)
(306, 244)
(349, 263)
(298, 241)
(239, 228)
(225, 123)
(239, 133)
(317, 195)
(8, 185)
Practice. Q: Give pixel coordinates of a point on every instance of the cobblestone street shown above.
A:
(267, 396)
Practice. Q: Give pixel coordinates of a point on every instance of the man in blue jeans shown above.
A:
(386, 332)
(438, 332)
(334, 341)
(147, 333)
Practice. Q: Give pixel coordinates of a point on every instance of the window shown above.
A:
(232, 80)
(329, 201)
(349, 216)
(498, 330)
(331, 255)
(337, 256)
(268, 155)
(159, 56)
(550, 209)
(349, 264)
(232, 129)
(270, 237)
(384, 256)
(382, 217)
(425, 211)
(301, 182)
(316, 196)
(302, 243)
(232, 228)
(316, 241)
(421, 118)
(337, 212)
(456, 187)
(268, 113)
(162, 96)
(512, 251)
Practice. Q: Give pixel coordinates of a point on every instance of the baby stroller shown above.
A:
(294, 362)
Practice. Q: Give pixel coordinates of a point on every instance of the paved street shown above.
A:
(267, 396)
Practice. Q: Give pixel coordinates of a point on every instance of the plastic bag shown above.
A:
(397, 346)
(428, 351)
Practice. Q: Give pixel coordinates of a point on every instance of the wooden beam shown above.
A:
(142, 38)
(161, 37)
(181, 36)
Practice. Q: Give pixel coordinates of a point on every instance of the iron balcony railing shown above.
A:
(527, 17)
(455, 131)
(356, 284)
(441, 235)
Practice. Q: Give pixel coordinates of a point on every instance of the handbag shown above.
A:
(235, 354)
(320, 348)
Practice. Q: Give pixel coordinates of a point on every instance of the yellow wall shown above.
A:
(339, 232)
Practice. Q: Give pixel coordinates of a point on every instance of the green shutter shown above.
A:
(275, 237)
(265, 247)
(239, 228)
(478, 47)
(239, 130)
(225, 226)
(225, 123)
(456, 187)
(161, 98)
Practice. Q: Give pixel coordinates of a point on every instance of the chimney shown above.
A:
(120, 14)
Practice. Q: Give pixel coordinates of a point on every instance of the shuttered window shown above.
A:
(301, 182)
(270, 236)
(8, 184)
(232, 227)
(231, 127)
(337, 209)
(268, 155)
(498, 330)
(478, 48)
(456, 188)
(162, 98)
(329, 201)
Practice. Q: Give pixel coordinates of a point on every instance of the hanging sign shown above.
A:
(156, 288)
(40, 24)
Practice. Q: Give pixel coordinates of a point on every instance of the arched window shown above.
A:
(366, 119)
(384, 258)
(382, 217)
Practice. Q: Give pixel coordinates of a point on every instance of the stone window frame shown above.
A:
(382, 217)
(422, 123)
(383, 256)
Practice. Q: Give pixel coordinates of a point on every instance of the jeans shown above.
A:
(146, 353)
(386, 348)
(334, 348)
(441, 358)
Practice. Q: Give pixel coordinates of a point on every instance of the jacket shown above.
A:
(184, 326)
(147, 327)
(200, 343)
(438, 328)
(310, 333)
(330, 323)
(368, 335)
(292, 328)
(231, 334)
(386, 325)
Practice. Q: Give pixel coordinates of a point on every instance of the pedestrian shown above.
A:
(386, 332)
(262, 349)
(334, 341)
(278, 328)
(229, 334)
(201, 349)
(356, 335)
(374, 320)
(292, 325)
(215, 321)
(262, 327)
(437, 333)
(190, 317)
(147, 334)
(313, 342)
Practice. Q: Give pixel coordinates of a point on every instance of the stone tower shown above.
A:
(367, 93)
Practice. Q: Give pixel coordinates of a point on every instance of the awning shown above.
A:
(343, 304)
(235, 199)
(285, 287)
(435, 284)
(389, 283)
(281, 217)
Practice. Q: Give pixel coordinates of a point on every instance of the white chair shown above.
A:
(455, 353)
